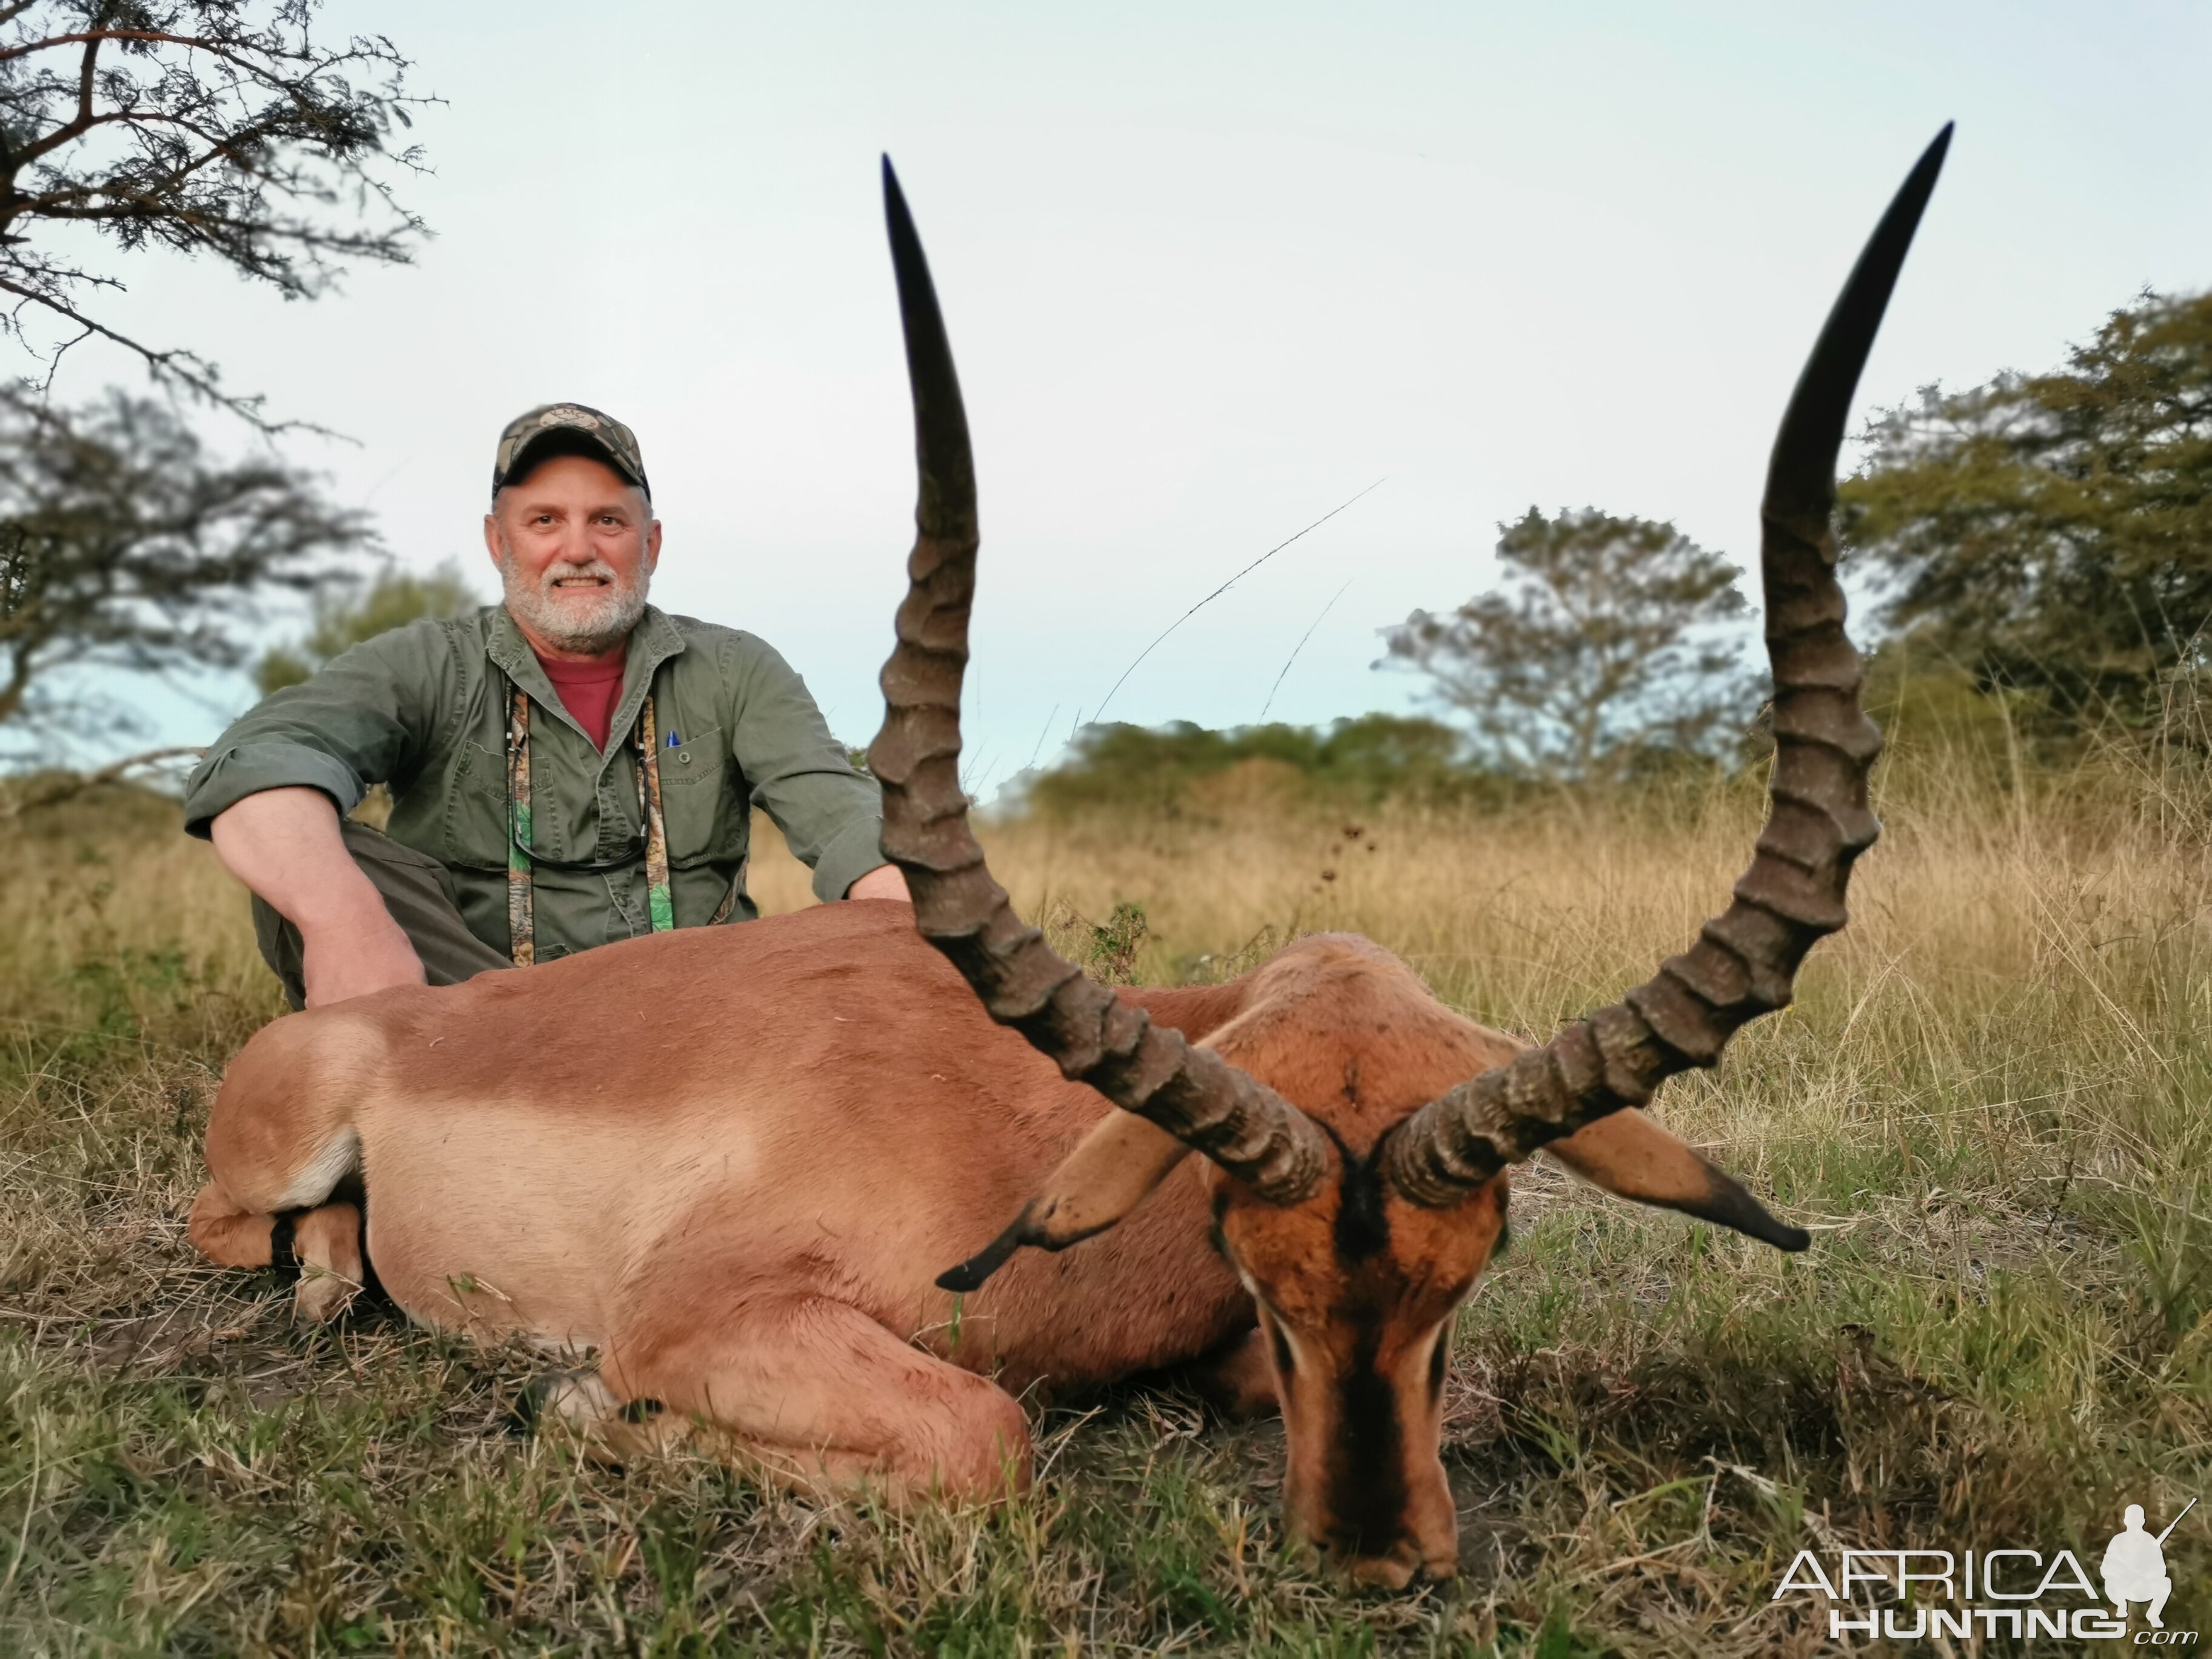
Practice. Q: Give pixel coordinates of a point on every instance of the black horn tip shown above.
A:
(894, 207)
(1920, 183)
(905, 240)
(1801, 478)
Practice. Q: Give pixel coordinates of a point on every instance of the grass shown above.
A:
(1988, 1102)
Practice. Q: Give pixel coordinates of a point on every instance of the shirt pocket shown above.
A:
(475, 820)
(694, 801)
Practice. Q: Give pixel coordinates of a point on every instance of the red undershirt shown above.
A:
(590, 690)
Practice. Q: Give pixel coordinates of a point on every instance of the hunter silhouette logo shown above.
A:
(1919, 1595)
(2134, 1568)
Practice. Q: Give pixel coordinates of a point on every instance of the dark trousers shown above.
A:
(417, 889)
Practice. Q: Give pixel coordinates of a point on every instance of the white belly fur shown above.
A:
(502, 1217)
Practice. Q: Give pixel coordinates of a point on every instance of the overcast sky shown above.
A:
(1209, 271)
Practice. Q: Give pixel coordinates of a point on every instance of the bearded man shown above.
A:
(569, 768)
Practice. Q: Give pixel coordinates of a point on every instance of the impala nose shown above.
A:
(1391, 1570)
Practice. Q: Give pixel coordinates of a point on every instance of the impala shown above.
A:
(719, 1166)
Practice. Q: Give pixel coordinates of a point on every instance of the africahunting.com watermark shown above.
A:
(2023, 1594)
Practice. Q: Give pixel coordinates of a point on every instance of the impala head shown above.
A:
(1356, 1286)
(1360, 1135)
(1356, 1297)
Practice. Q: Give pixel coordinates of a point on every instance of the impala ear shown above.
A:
(1112, 1170)
(1631, 1157)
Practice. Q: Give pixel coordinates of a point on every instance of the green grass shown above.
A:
(1991, 1104)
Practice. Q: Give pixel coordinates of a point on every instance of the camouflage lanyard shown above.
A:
(521, 916)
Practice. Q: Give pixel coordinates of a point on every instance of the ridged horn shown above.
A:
(1094, 1038)
(1745, 961)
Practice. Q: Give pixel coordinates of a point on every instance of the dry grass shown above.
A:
(1989, 1101)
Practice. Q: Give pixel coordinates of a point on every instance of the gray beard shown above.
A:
(589, 628)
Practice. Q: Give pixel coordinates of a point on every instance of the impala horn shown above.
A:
(1094, 1038)
(1745, 959)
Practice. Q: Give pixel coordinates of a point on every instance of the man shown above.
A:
(569, 768)
(2133, 1569)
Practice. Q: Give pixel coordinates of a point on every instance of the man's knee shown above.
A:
(282, 949)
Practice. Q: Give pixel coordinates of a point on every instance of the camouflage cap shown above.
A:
(603, 435)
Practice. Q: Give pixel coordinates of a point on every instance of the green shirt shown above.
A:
(424, 708)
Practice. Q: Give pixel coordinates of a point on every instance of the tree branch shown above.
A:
(71, 784)
(183, 366)
(243, 138)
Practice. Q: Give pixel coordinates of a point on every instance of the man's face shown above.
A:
(576, 548)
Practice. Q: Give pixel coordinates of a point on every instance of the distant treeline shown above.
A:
(1160, 769)
(1183, 769)
(1937, 720)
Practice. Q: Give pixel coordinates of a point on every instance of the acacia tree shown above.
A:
(122, 546)
(2053, 532)
(210, 127)
(218, 129)
(1606, 647)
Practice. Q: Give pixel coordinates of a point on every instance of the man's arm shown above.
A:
(363, 718)
(271, 791)
(886, 881)
(831, 815)
(285, 844)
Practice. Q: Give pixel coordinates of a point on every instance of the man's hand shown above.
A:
(343, 959)
(884, 882)
(285, 844)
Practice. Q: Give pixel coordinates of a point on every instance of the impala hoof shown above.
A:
(608, 1429)
(322, 1295)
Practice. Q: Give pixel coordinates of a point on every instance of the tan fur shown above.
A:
(1631, 1157)
(327, 1240)
(723, 1167)
(1112, 1170)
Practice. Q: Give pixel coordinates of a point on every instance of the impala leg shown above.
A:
(278, 1146)
(1234, 1379)
(611, 1429)
(231, 1234)
(324, 1242)
(815, 1392)
(327, 1240)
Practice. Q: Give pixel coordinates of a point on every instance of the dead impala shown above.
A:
(737, 1213)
